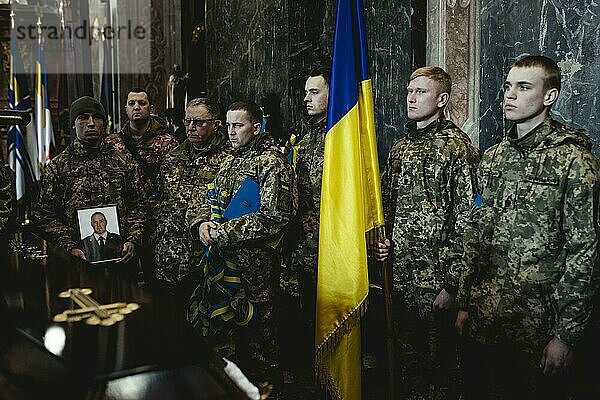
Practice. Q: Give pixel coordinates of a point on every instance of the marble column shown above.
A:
(247, 49)
(453, 43)
(391, 53)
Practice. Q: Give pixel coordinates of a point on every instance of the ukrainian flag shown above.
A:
(351, 207)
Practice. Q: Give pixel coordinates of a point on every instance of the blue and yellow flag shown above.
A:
(350, 207)
(22, 141)
(43, 117)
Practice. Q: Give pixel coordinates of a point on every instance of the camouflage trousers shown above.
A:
(256, 349)
(502, 372)
(297, 339)
(426, 348)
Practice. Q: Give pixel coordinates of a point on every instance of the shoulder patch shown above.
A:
(477, 200)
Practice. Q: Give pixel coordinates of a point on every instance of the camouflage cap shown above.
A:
(86, 104)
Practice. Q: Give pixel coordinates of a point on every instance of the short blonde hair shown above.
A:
(435, 74)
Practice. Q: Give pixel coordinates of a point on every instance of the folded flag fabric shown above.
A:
(245, 201)
(219, 303)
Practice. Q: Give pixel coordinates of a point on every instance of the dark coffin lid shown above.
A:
(152, 354)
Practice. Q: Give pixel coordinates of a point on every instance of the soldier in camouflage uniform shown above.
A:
(427, 191)
(146, 134)
(88, 173)
(250, 241)
(185, 173)
(309, 170)
(302, 240)
(147, 139)
(532, 260)
(6, 197)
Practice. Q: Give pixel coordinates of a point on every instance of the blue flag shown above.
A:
(245, 201)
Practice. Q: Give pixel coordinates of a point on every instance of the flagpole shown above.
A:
(22, 140)
(375, 236)
(384, 267)
(12, 139)
(39, 106)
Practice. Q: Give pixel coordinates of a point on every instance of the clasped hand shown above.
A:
(126, 253)
(207, 232)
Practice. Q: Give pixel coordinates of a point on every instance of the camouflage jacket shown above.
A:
(309, 172)
(532, 260)
(152, 147)
(427, 190)
(244, 240)
(6, 197)
(184, 176)
(82, 177)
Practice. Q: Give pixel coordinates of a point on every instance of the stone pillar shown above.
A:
(390, 50)
(453, 43)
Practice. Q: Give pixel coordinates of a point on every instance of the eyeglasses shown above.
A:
(197, 122)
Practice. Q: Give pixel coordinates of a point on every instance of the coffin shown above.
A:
(148, 352)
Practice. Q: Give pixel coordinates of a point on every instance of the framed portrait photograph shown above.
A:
(100, 233)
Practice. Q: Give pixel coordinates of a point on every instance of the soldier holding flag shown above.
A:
(427, 193)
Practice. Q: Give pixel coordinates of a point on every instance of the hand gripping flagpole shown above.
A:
(373, 237)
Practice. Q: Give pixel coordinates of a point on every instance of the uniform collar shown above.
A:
(154, 128)
(538, 135)
(217, 142)
(257, 144)
(317, 122)
(81, 148)
(415, 134)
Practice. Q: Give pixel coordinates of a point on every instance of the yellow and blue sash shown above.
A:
(221, 298)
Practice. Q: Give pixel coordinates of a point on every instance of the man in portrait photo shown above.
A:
(101, 245)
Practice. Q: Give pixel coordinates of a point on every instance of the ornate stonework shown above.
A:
(453, 43)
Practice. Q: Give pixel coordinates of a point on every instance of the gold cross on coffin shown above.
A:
(91, 311)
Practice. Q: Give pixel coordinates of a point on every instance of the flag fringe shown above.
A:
(326, 348)
(327, 382)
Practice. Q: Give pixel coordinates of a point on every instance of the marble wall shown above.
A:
(391, 64)
(247, 49)
(265, 49)
(310, 46)
(165, 51)
(567, 31)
